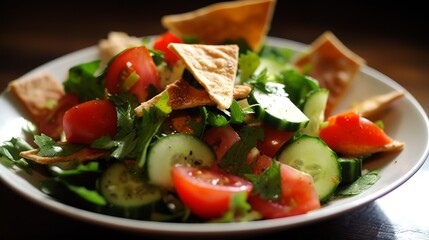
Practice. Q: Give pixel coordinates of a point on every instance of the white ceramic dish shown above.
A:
(406, 121)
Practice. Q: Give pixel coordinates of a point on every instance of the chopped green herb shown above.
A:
(89, 195)
(81, 168)
(82, 82)
(297, 85)
(235, 159)
(268, 184)
(237, 113)
(360, 185)
(49, 148)
(280, 55)
(248, 63)
(151, 122)
(10, 150)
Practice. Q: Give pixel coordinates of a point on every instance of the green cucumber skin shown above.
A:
(311, 155)
(295, 121)
(123, 189)
(179, 148)
(351, 169)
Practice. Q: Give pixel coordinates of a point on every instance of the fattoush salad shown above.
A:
(202, 123)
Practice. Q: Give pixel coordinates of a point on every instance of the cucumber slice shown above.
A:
(124, 189)
(311, 155)
(277, 111)
(314, 108)
(176, 148)
(351, 169)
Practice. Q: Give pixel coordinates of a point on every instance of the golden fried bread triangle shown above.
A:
(248, 20)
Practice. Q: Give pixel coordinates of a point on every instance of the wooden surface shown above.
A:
(391, 38)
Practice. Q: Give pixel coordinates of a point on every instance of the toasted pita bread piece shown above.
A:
(85, 154)
(374, 106)
(115, 43)
(213, 66)
(182, 95)
(390, 147)
(332, 64)
(249, 20)
(37, 94)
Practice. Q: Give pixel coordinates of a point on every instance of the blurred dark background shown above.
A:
(391, 36)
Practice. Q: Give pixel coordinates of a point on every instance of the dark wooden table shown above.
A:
(391, 38)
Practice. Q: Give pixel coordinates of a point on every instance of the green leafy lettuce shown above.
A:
(83, 82)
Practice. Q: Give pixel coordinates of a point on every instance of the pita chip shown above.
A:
(332, 64)
(372, 107)
(213, 66)
(182, 95)
(390, 147)
(36, 94)
(85, 154)
(249, 20)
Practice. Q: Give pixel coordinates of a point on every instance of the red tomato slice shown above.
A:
(221, 139)
(349, 133)
(135, 60)
(52, 125)
(273, 140)
(262, 163)
(207, 193)
(161, 44)
(299, 196)
(90, 120)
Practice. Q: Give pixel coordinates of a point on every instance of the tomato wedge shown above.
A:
(221, 139)
(161, 44)
(351, 134)
(299, 195)
(133, 71)
(207, 193)
(274, 139)
(261, 164)
(90, 120)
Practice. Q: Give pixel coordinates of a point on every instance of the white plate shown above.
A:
(406, 121)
